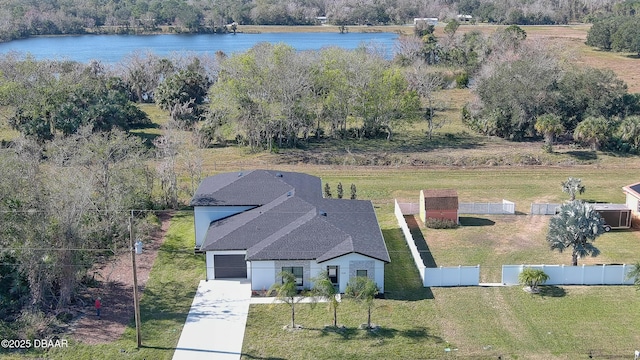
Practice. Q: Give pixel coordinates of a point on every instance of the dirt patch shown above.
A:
(116, 292)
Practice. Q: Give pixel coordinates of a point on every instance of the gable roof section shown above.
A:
(296, 225)
(633, 190)
(440, 199)
(254, 187)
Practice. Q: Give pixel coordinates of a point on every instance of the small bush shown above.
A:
(441, 224)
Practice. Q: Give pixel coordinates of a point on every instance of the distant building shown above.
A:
(321, 19)
(428, 21)
(464, 18)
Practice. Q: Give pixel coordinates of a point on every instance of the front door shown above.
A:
(332, 271)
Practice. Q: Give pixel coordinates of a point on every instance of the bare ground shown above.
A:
(116, 291)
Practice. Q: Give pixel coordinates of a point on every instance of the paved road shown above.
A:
(215, 325)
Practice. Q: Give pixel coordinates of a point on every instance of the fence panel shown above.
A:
(573, 275)
(544, 209)
(452, 276)
(409, 208)
(504, 208)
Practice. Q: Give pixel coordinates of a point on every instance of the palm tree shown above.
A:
(323, 288)
(363, 290)
(549, 125)
(629, 130)
(576, 225)
(573, 186)
(532, 278)
(634, 274)
(287, 292)
(594, 131)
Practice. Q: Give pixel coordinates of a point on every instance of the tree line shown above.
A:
(618, 31)
(21, 18)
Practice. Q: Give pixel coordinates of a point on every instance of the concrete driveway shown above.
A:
(215, 325)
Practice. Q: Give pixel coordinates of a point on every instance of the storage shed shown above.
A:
(616, 216)
(439, 204)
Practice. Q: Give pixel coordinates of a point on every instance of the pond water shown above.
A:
(113, 48)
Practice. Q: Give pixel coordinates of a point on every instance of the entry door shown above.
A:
(333, 272)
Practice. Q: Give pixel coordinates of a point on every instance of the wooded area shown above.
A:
(21, 18)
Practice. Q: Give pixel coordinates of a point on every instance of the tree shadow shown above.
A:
(551, 291)
(583, 155)
(475, 221)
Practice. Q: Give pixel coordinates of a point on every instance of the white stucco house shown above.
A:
(255, 224)
(632, 200)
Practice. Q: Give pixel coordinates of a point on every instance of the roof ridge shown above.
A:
(251, 214)
(306, 217)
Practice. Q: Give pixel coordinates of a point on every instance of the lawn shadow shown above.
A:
(551, 291)
(475, 221)
(345, 332)
(583, 155)
(415, 294)
(418, 333)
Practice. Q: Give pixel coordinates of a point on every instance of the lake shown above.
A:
(113, 48)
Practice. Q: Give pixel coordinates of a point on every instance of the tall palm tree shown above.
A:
(573, 186)
(575, 226)
(287, 292)
(324, 288)
(363, 290)
(549, 125)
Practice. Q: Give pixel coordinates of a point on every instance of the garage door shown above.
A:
(230, 266)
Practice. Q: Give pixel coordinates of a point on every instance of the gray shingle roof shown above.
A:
(291, 222)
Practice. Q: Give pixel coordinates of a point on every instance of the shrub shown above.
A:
(440, 224)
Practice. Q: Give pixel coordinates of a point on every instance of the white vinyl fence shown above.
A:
(409, 239)
(504, 208)
(452, 276)
(573, 275)
(442, 276)
(544, 209)
(409, 208)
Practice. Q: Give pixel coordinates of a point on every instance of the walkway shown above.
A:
(215, 325)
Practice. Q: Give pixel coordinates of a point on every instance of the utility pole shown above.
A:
(136, 304)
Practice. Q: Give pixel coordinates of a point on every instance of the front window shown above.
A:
(297, 272)
(362, 273)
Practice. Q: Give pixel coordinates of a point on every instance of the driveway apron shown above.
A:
(215, 325)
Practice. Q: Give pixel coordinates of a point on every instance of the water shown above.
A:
(113, 48)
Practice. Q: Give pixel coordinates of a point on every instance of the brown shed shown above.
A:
(439, 204)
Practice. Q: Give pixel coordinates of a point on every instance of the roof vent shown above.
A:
(240, 174)
(290, 193)
(278, 174)
(323, 213)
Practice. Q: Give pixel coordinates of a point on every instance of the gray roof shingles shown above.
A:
(291, 222)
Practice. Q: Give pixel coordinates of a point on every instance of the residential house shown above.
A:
(255, 224)
(632, 201)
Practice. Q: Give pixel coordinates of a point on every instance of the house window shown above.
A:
(332, 272)
(297, 272)
(362, 273)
